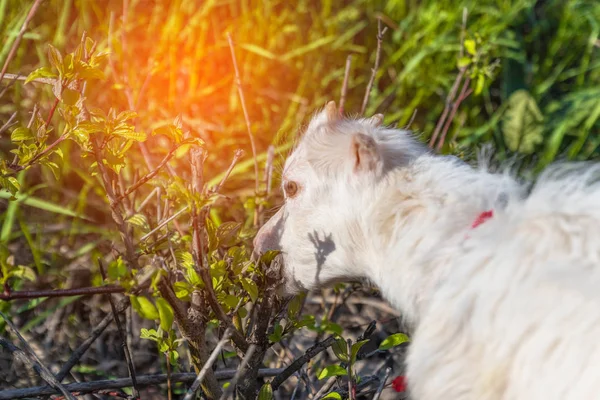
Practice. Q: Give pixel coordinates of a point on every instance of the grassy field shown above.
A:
(133, 113)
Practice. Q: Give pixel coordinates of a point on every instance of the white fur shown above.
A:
(507, 310)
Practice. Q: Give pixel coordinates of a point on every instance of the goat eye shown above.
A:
(290, 188)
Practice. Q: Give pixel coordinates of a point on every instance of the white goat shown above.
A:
(509, 309)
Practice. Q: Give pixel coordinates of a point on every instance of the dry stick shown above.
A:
(345, 84)
(152, 173)
(380, 33)
(80, 351)
(236, 156)
(144, 380)
(238, 373)
(300, 361)
(449, 101)
(13, 79)
(8, 123)
(114, 206)
(17, 41)
(165, 222)
(455, 85)
(33, 359)
(169, 389)
(198, 251)
(35, 294)
(330, 382)
(191, 393)
(238, 82)
(464, 93)
(130, 364)
(349, 367)
(388, 370)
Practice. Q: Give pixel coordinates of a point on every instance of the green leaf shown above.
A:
(165, 312)
(23, 272)
(144, 307)
(55, 58)
(295, 304)
(393, 340)
(266, 392)
(479, 84)
(117, 269)
(340, 349)
(333, 395)
(14, 182)
(332, 370)
(522, 123)
(251, 288)
(140, 221)
(183, 290)
(277, 332)
(470, 46)
(151, 334)
(43, 72)
(355, 348)
(21, 134)
(463, 62)
(70, 97)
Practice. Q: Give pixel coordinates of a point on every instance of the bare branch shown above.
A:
(299, 362)
(36, 294)
(152, 173)
(238, 82)
(388, 370)
(144, 380)
(380, 33)
(464, 93)
(236, 156)
(17, 42)
(80, 351)
(345, 84)
(30, 358)
(130, 364)
(238, 373)
(191, 393)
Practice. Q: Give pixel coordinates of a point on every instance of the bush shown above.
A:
(138, 161)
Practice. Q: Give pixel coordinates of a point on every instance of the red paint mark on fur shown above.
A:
(399, 384)
(481, 218)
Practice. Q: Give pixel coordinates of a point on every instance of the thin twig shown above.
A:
(8, 123)
(236, 156)
(300, 361)
(455, 85)
(144, 380)
(163, 223)
(152, 173)
(130, 364)
(238, 81)
(344, 92)
(36, 294)
(388, 370)
(380, 33)
(351, 394)
(80, 351)
(238, 373)
(191, 393)
(464, 93)
(33, 359)
(19, 37)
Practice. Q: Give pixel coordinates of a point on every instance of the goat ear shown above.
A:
(365, 153)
